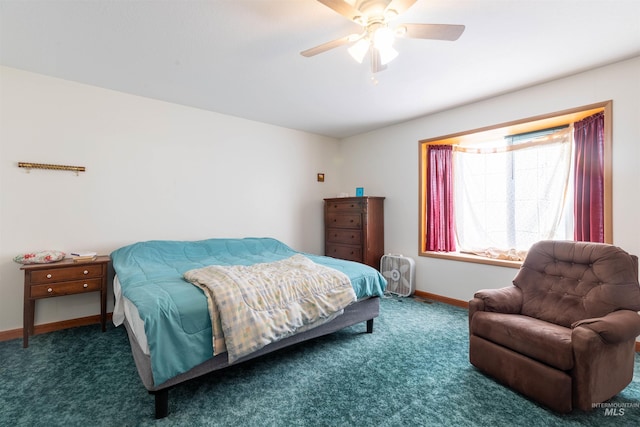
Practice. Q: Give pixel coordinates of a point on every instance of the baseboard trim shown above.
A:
(54, 326)
(440, 298)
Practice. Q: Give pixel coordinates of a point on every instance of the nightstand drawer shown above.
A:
(344, 220)
(66, 288)
(350, 237)
(350, 253)
(80, 272)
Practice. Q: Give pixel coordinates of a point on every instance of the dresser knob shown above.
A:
(49, 290)
(86, 272)
(48, 276)
(85, 286)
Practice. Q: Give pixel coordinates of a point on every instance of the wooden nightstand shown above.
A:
(65, 277)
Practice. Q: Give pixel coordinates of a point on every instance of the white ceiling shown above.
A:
(241, 57)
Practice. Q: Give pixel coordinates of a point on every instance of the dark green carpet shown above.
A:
(413, 370)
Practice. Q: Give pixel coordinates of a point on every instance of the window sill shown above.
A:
(457, 256)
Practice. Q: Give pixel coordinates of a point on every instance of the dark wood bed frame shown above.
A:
(361, 311)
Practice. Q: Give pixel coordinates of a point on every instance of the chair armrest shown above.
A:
(503, 300)
(604, 354)
(615, 327)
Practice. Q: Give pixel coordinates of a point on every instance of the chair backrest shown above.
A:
(566, 281)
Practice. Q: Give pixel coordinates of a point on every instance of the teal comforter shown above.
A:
(175, 314)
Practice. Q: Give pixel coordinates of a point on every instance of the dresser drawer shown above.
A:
(66, 288)
(344, 220)
(350, 253)
(51, 275)
(338, 235)
(345, 205)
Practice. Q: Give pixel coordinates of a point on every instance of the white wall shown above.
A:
(154, 171)
(163, 171)
(385, 162)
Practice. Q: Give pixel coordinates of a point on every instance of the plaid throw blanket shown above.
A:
(252, 306)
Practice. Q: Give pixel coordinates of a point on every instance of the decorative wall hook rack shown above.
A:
(29, 166)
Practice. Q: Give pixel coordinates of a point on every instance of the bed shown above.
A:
(169, 317)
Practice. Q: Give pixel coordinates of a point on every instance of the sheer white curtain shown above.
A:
(511, 193)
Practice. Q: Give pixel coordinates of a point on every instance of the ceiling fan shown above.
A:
(377, 37)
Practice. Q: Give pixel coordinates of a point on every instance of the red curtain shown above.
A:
(589, 179)
(440, 221)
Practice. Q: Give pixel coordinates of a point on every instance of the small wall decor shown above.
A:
(359, 191)
(30, 166)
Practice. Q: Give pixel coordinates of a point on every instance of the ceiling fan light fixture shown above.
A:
(359, 50)
(383, 38)
(387, 54)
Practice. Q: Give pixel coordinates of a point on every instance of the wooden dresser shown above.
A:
(354, 229)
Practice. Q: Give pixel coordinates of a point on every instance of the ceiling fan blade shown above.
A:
(432, 31)
(327, 46)
(399, 6)
(342, 7)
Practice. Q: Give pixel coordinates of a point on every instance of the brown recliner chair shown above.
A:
(564, 334)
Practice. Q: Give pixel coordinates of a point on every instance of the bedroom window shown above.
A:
(487, 195)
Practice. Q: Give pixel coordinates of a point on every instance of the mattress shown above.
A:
(125, 309)
(169, 316)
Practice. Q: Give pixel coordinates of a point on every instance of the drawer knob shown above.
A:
(85, 286)
(86, 272)
(49, 290)
(48, 276)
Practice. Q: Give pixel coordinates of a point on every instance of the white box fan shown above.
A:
(400, 272)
